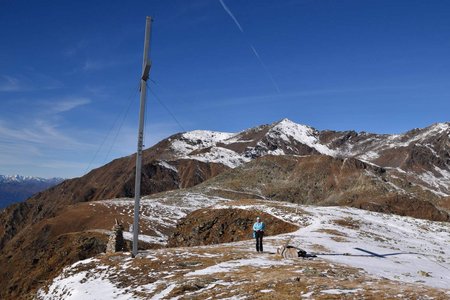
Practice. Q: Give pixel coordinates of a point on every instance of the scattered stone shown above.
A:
(185, 264)
(423, 273)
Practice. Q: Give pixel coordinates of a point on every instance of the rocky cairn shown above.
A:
(116, 243)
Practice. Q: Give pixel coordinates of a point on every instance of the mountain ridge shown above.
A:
(405, 174)
(411, 151)
(16, 188)
(419, 157)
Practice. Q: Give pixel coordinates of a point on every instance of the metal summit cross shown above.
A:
(146, 64)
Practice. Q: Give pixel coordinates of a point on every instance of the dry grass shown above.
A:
(291, 281)
(332, 232)
(348, 222)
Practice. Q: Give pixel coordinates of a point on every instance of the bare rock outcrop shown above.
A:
(214, 226)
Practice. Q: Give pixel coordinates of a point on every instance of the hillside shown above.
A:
(324, 180)
(420, 158)
(406, 175)
(360, 255)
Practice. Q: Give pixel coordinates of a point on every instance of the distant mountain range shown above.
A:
(17, 188)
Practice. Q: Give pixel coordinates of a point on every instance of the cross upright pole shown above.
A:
(146, 64)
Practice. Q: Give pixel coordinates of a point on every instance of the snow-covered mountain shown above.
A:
(21, 179)
(422, 156)
(286, 138)
(16, 188)
(399, 175)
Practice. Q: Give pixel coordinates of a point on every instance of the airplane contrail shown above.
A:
(228, 11)
(258, 57)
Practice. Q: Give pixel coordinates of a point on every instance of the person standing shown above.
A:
(258, 233)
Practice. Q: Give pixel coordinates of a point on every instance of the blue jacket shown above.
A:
(259, 226)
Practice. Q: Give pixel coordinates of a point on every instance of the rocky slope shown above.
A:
(419, 157)
(115, 179)
(404, 174)
(324, 180)
(81, 230)
(206, 227)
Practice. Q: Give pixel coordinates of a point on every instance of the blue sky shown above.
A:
(69, 72)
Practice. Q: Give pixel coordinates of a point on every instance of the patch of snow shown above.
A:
(287, 129)
(308, 295)
(430, 147)
(167, 166)
(161, 211)
(198, 139)
(82, 285)
(276, 152)
(398, 248)
(387, 246)
(396, 140)
(369, 155)
(164, 292)
(340, 291)
(439, 184)
(405, 245)
(443, 173)
(221, 155)
(162, 240)
(209, 136)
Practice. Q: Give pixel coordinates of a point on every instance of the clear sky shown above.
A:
(69, 72)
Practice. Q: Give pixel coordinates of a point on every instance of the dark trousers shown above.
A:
(259, 237)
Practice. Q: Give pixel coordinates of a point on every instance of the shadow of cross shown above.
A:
(376, 254)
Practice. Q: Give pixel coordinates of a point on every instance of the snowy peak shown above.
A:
(16, 188)
(286, 122)
(289, 132)
(418, 153)
(428, 133)
(21, 179)
(207, 136)
(400, 175)
(232, 149)
(440, 127)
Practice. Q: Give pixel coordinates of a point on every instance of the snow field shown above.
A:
(401, 249)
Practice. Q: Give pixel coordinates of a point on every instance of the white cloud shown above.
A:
(41, 148)
(9, 84)
(33, 81)
(75, 49)
(38, 131)
(96, 65)
(67, 104)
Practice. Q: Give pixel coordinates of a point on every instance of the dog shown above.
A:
(288, 252)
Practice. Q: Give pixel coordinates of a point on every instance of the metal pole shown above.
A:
(137, 186)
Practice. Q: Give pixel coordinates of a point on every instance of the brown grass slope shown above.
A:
(417, 150)
(38, 260)
(29, 230)
(115, 179)
(39, 249)
(324, 180)
(43, 249)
